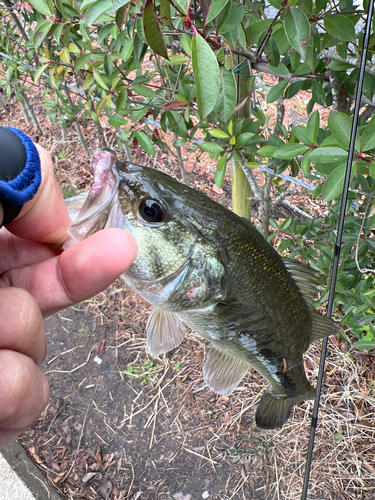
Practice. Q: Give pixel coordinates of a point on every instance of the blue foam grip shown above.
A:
(23, 187)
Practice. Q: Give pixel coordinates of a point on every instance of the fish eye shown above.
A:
(151, 211)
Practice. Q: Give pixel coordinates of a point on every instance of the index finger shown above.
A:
(45, 218)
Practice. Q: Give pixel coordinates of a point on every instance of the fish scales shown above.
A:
(202, 266)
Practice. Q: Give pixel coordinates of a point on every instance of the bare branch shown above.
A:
(257, 191)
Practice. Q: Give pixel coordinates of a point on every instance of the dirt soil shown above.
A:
(123, 425)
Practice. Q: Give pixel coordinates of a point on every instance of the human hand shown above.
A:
(36, 281)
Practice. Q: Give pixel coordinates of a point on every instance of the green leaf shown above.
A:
(371, 170)
(252, 164)
(65, 56)
(96, 10)
(122, 100)
(366, 345)
(216, 7)
(339, 66)
(302, 134)
(340, 125)
(340, 27)
(127, 49)
(182, 5)
(334, 184)
(305, 164)
(255, 30)
(219, 134)
(297, 29)
(105, 101)
(145, 142)
(176, 60)
(121, 16)
(206, 75)
(277, 91)
(153, 31)
(144, 91)
(117, 4)
(81, 61)
(98, 77)
(117, 121)
(58, 31)
(185, 41)
(39, 72)
(266, 151)
(41, 31)
(272, 52)
(165, 13)
(327, 155)
(290, 151)
(318, 93)
(368, 86)
(41, 7)
(313, 125)
(280, 70)
(368, 136)
(220, 171)
(233, 15)
(228, 95)
(211, 147)
(243, 139)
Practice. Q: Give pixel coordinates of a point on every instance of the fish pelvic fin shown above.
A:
(164, 331)
(275, 407)
(222, 372)
(322, 326)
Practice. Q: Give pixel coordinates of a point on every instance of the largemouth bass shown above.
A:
(201, 265)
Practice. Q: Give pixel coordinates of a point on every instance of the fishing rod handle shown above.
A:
(20, 173)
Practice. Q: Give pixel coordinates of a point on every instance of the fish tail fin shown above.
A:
(274, 408)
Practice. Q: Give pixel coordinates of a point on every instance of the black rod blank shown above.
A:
(337, 249)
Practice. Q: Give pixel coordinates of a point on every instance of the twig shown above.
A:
(180, 160)
(279, 199)
(201, 456)
(296, 209)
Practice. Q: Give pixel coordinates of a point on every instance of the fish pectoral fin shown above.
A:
(275, 407)
(164, 331)
(223, 372)
(322, 327)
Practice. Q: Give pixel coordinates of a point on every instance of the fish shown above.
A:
(203, 267)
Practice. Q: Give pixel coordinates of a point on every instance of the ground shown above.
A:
(123, 425)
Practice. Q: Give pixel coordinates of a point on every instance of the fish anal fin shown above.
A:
(223, 372)
(275, 407)
(322, 327)
(164, 331)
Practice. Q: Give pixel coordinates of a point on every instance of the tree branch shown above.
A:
(353, 61)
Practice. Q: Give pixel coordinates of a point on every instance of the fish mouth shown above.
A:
(96, 211)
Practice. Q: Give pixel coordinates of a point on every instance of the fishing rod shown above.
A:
(340, 228)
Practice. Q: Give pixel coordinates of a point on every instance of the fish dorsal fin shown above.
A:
(223, 372)
(322, 327)
(305, 278)
(164, 331)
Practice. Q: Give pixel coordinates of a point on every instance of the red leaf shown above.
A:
(174, 104)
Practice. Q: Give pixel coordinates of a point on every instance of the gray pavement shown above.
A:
(20, 479)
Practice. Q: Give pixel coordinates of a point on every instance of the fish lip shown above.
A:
(73, 234)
